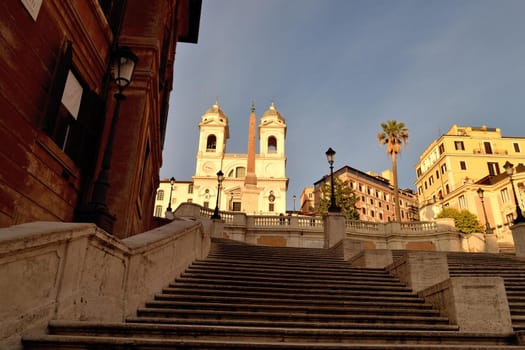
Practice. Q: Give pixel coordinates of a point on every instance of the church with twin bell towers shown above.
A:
(254, 183)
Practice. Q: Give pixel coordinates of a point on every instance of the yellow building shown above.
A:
(375, 194)
(452, 169)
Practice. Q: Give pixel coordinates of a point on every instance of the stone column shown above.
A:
(420, 270)
(518, 235)
(334, 229)
(475, 304)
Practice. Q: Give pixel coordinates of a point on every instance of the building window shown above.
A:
(272, 144)
(372, 214)
(380, 204)
(510, 218)
(364, 211)
(418, 172)
(426, 185)
(310, 195)
(441, 149)
(443, 168)
(488, 147)
(380, 216)
(459, 145)
(516, 147)
(206, 204)
(371, 201)
(236, 206)
(360, 188)
(463, 165)
(368, 190)
(211, 143)
(447, 189)
(240, 172)
(420, 190)
(437, 174)
(387, 207)
(431, 180)
(505, 195)
(271, 207)
(160, 195)
(493, 168)
(190, 188)
(462, 203)
(158, 211)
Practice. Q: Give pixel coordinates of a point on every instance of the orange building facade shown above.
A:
(57, 105)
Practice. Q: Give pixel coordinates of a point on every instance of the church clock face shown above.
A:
(208, 167)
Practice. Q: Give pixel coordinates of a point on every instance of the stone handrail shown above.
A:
(53, 270)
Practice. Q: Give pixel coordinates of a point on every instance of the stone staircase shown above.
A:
(253, 297)
(510, 268)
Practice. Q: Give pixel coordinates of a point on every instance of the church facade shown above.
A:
(254, 182)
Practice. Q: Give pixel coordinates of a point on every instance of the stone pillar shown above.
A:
(518, 235)
(373, 259)
(334, 229)
(475, 304)
(217, 228)
(491, 243)
(420, 270)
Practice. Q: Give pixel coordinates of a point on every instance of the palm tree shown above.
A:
(394, 135)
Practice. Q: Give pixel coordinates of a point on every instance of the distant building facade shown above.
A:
(254, 183)
(455, 166)
(57, 105)
(375, 194)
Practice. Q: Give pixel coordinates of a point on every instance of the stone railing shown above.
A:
(309, 231)
(51, 270)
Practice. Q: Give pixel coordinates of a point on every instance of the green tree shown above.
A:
(345, 198)
(394, 135)
(465, 221)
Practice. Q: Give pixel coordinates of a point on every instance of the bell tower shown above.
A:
(213, 133)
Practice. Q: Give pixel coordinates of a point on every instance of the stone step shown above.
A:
(362, 300)
(45, 342)
(297, 285)
(291, 269)
(217, 332)
(327, 324)
(306, 264)
(304, 315)
(310, 309)
(291, 278)
(290, 293)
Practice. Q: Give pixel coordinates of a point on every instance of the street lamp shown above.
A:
(294, 198)
(172, 181)
(330, 156)
(508, 166)
(488, 230)
(220, 177)
(122, 68)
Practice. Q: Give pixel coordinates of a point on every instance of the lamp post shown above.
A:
(122, 68)
(508, 166)
(330, 156)
(220, 177)
(294, 198)
(488, 230)
(172, 181)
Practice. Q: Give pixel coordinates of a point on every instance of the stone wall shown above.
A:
(51, 270)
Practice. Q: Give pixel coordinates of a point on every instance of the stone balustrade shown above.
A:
(309, 231)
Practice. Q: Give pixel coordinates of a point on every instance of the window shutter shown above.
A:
(57, 86)
(86, 131)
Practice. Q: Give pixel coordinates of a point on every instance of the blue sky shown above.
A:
(336, 69)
